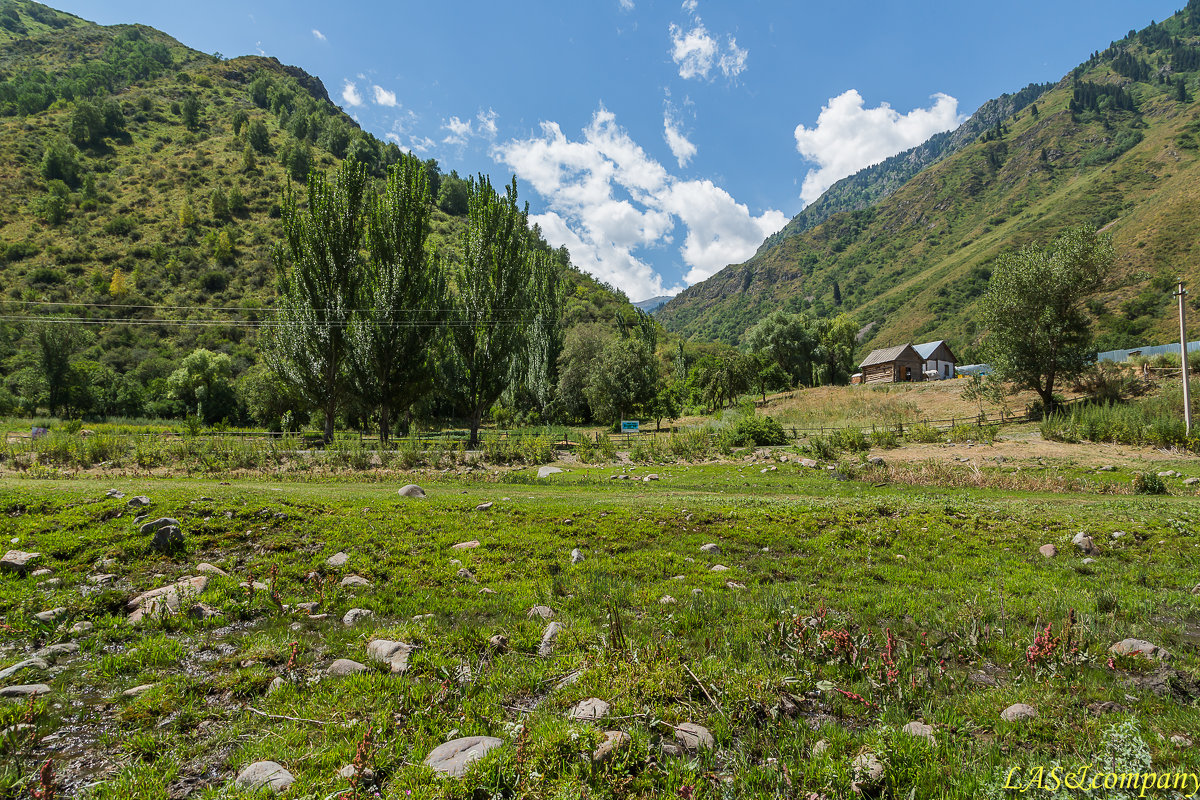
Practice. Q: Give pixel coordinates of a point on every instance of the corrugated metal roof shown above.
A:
(885, 355)
(926, 350)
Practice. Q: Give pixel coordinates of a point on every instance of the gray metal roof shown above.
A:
(926, 350)
(886, 355)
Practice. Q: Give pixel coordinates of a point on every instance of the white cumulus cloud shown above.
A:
(351, 96)
(626, 5)
(609, 202)
(460, 131)
(681, 147)
(697, 52)
(849, 137)
(320, 37)
(383, 97)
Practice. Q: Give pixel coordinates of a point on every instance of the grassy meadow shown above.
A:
(849, 608)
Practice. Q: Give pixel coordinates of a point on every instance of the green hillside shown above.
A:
(1115, 144)
(141, 185)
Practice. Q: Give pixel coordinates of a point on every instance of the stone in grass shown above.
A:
(718, 568)
(546, 472)
(693, 738)
(1018, 712)
(351, 581)
(543, 612)
(25, 690)
(345, 666)
(265, 775)
(820, 747)
(19, 561)
(613, 741)
(592, 708)
(412, 490)
(337, 560)
(1048, 550)
(549, 637)
(471, 545)
(165, 599)
(116, 494)
(204, 568)
(576, 556)
(1129, 647)
(467, 575)
(83, 626)
(1085, 544)
(921, 730)
(356, 615)
(484, 506)
(50, 615)
(138, 690)
(53, 652)
(29, 663)
(455, 756)
(666, 600)
(394, 654)
(203, 611)
(651, 477)
(1191, 481)
(711, 547)
(41, 573)
(868, 773)
(1180, 740)
(141, 501)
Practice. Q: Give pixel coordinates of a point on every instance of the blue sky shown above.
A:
(658, 141)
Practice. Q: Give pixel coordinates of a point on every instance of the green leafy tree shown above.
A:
(86, 125)
(582, 348)
(403, 300)
(190, 109)
(56, 342)
(62, 161)
(623, 380)
(258, 137)
(453, 195)
(219, 203)
(789, 340)
(320, 265)
(1034, 311)
(838, 338)
(203, 385)
(768, 376)
(497, 303)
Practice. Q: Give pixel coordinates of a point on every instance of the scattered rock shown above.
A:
(344, 666)
(546, 472)
(54, 583)
(1088, 561)
(734, 585)
(411, 490)
(693, 738)
(671, 750)
(549, 637)
(393, 654)
(544, 612)
(868, 773)
(820, 747)
(1048, 550)
(1018, 712)
(337, 560)
(265, 774)
(455, 756)
(141, 501)
(876, 460)
(1085, 544)
(718, 568)
(1106, 468)
(203, 611)
(41, 573)
(83, 626)
(651, 477)
(488, 590)
(116, 494)
(50, 615)
(484, 506)
(613, 741)
(1107, 707)
(592, 708)
(467, 575)
(499, 643)
(666, 600)
(25, 690)
(1191, 481)
(29, 663)
(204, 568)
(576, 556)
(711, 547)
(356, 615)
(257, 586)
(277, 683)
(19, 561)
(1169, 474)
(1181, 741)
(138, 690)
(355, 580)
(920, 729)
(471, 545)
(808, 462)
(52, 652)
(1128, 647)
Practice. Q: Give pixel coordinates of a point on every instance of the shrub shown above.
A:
(820, 447)
(926, 434)
(758, 431)
(1148, 483)
(885, 438)
(848, 439)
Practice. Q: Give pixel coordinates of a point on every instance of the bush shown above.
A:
(885, 438)
(926, 434)
(849, 439)
(1148, 483)
(758, 431)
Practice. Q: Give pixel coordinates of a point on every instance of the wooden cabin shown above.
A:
(899, 364)
(939, 360)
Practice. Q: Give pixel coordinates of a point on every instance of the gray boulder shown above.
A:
(265, 775)
(549, 638)
(29, 663)
(394, 654)
(546, 472)
(412, 490)
(25, 690)
(165, 599)
(141, 501)
(1127, 647)
(693, 738)
(1018, 712)
(455, 756)
(19, 561)
(356, 615)
(613, 741)
(592, 708)
(344, 666)
(543, 612)
(337, 560)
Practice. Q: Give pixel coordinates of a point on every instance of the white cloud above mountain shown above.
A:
(383, 97)
(848, 136)
(681, 147)
(609, 201)
(351, 96)
(699, 54)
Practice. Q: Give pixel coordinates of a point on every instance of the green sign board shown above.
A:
(629, 426)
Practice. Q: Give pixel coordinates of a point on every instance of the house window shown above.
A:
(908, 373)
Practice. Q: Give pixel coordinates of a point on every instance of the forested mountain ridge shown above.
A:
(1115, 143)
(141, 184)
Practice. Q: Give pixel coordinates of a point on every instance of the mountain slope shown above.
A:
(141, 180)
(1113, 144)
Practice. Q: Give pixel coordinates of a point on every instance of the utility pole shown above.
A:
(1183, 358)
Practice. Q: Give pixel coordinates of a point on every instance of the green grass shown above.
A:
(953, 575)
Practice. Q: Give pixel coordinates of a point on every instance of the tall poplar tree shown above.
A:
(320, 266)
(402, 302)
(501, 299)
